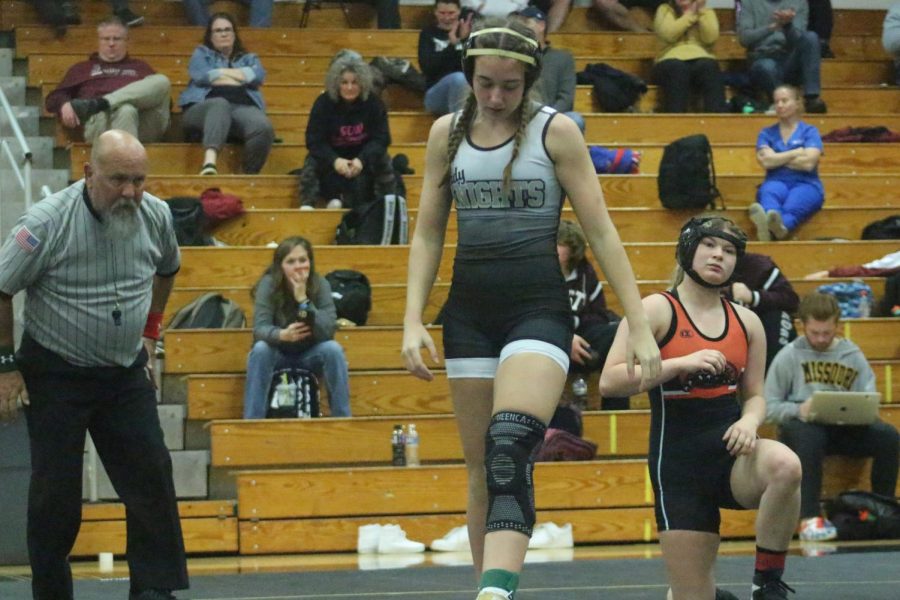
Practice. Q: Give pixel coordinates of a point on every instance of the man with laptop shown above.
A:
(820, 390)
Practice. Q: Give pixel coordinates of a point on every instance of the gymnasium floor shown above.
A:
(860, 571)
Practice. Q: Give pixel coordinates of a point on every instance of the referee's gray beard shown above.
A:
(121, 220)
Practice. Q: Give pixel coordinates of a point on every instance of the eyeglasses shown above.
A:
(223, 30)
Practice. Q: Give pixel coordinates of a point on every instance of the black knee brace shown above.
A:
(510, 447)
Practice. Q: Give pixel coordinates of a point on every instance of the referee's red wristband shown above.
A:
(154, 325)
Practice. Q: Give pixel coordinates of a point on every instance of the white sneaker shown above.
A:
(817, 529)
(307, 207)
(367, 537)
(393, 541)
(776, 225)
(334, 203)
(758, 217)
(551, 535)
(456, 540)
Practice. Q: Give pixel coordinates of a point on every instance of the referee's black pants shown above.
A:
(118, 406)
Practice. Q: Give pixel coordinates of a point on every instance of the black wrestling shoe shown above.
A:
(725, 595)
(85, 108)
(772, 590)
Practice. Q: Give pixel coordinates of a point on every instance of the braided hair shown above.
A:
(509, 36)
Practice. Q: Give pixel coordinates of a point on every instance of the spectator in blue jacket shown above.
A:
(789, 151)
(223, 100)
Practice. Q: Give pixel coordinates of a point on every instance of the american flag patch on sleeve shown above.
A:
(26, 240)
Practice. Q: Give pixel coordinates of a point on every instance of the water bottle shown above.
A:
(865, 304)
(398, 447)
(580, 388)
(580, 393)
(412, 446)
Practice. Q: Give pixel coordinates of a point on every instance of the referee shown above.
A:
(98, 261)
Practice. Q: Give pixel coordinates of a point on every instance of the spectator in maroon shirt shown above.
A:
(111, 90)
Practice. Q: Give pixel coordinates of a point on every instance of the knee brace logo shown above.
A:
(502, 471)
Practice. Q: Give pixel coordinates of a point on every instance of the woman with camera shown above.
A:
(294, 323)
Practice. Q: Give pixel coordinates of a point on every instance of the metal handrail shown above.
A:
(23, 174)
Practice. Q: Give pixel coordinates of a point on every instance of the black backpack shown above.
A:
(209, 311)
(615, 90)
(189, 221)
(859, 515)
(687, 176)
(352, 294)
(883, 229)
(293, 394)
(382, 222)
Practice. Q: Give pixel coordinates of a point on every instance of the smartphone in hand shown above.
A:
(304, 315)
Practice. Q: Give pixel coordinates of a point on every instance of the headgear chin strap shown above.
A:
(695, 230)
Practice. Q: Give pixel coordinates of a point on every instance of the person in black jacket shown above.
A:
(440, 57)
(347, 137)
(595, 325)
(761, 286)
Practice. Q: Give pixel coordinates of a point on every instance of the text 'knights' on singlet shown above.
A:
(521, 223)
(683, 338)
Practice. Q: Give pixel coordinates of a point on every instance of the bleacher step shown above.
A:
(27, 117)
(41, 150)
(189, 470)
(171, 419)
(14, 88)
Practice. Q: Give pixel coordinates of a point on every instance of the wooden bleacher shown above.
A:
(294, 41)
(299, 68)
(381, 393)
(607, 500)
(241, 266)
(389, 299)
(737, 159)
(360, 441)
(16, 13)
(258, 227)
(626, 128)
(209, 527)
(372, 348)
(619, 191)
(292, 101)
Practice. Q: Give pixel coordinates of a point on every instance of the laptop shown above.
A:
(844, 408)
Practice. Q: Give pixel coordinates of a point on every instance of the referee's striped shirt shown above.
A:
(75, 276)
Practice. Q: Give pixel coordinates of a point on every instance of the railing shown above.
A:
(23, 173)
